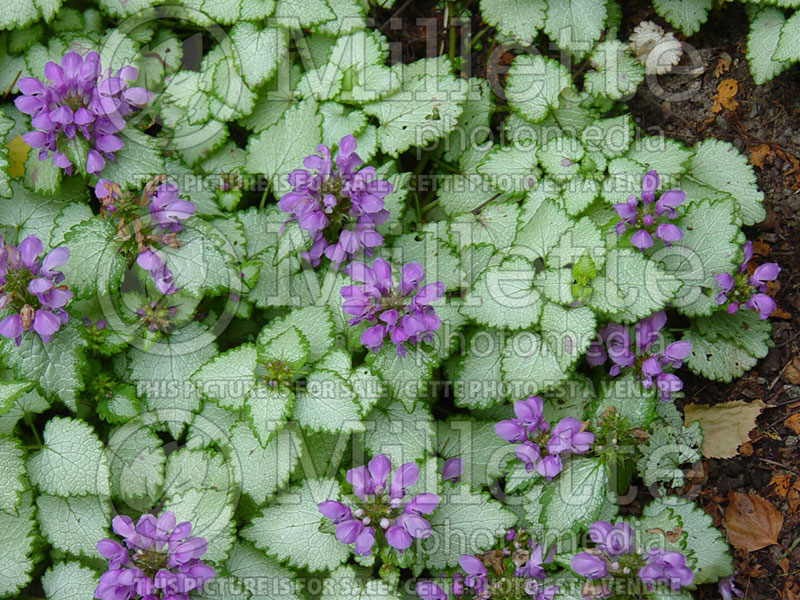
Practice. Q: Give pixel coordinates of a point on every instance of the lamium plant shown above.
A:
(291, 306)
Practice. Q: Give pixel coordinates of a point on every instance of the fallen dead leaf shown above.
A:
(752, 522)
(791, 589)
(791, 372)
(761, 248)
(17, 154)
(726, 426)
(726, 90)
(723, 64)
(793, 422)
(758, 154)
(746, 449)
(781, 313)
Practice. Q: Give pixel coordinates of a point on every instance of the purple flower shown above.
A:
(403, 315)
(167, 210)
(30, 290)
(79, 105)
(339, 205)
(589, 565)
(529, 431)
(727, 588)
(382, 508)
(451, 469)
(649, 366)
(614, 540)
(568, 437)
(643, 218)
(666, 567)
(739, 289)
(427, 590)
(157, 268)
(157, 559)
(476, 572)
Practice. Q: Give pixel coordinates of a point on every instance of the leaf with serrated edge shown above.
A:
(73, 525)
(18, 539)
(289, 529)
(72, 462)
(69, 581)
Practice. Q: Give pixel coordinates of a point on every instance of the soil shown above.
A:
(764, 124)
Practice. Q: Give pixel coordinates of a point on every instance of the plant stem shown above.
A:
(29, 423)
(264, 195)
(479, 35)
(451, 50)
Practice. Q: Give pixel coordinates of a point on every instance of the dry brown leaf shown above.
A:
(752, 522)
(780, 313)
(758, 154)
(779, 485)
(726, 426)
(726, 90)
(723, 64)
(761, 248)
(746, 449)
(791, 372)
(793, 422)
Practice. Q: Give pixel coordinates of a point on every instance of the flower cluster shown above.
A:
(403, 314)
(159, 560)
(750, 290)
(145, 231)
(383, 509)
(649, 218)
(515, 570)
(614, 555)
(79, 107)
(30, 288)
(648, 365)
(338, 204)
(531, 434)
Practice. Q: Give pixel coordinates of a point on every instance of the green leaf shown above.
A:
(30, 402)
(726, 346)
(719, 165)
(666, 452)
(211, 516)
(709, 247)
(23, 12)
(228, 377)
(529, 365)
(477, 380)
(268, 409)
(201, 470)
(430, 249)
(345, 584)
(632, 287)
(19, 536)
(12, 472)
(327, 404)
(94, 265)
(72, 462)
(504, 296)
(534, 84)
(69, 581)
(137, 161)
(258, 51)
(73, 525)
(25, 213)
(314, 322)
(568, 332)
(663, 154)
(263, 470)
(520, 19)
(350, 16)
(338, 122)
(763, 42)
(617, 73)
(470, 522)
(788, 43)
(686, 15)
(560, 156)
(540, 230)
(575, 24)
(510, 169)
(708, 547)
(136, 462)
(290, 347)
(6, 124)
(55, 366)
(630, 400)
(303, 13)
(400, 435)
(10, 391)
(575, 497)
(407, 377)
(485, 454)
(425, 108)
(162, 374)
(227, 12)
(252, 566)
(473, 123)
(289, 529)
(279, 149)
